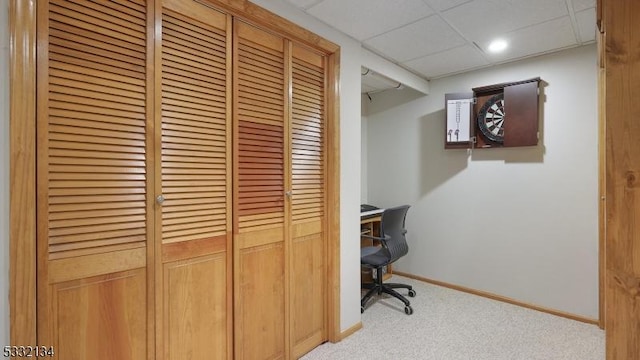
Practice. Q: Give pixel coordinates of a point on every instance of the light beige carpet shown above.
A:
(452, 325)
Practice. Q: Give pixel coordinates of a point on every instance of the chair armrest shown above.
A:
(381, 239)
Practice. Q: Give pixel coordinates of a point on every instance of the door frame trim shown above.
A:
(22, 120)
(22, 195)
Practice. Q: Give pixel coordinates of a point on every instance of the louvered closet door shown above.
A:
(259, 110)
(308, 249)
(94, 206)
(194, 295)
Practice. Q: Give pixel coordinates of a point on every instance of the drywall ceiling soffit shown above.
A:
(373, 82)
(436, 38)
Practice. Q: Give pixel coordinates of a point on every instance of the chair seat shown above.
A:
(374, 259)
(366, 251)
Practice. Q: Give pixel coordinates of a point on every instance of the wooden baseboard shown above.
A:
(350, 331)
(500, 298)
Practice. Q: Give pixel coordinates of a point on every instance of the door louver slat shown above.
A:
(97, 112)
(307, 141)
(260, 137)
(193, 107)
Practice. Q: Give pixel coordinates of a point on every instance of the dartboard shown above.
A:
(491, 118)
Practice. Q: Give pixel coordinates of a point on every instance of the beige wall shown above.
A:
(518, 222)
(363, 149)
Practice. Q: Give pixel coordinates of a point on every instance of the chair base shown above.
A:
(379, 287)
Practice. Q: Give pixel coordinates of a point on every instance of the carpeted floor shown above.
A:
(452, 325)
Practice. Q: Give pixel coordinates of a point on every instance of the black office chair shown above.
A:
(394, 246)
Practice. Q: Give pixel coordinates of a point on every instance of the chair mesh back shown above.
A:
(392, 224)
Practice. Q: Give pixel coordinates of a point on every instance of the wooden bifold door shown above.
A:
(181, 184)
(279, 195)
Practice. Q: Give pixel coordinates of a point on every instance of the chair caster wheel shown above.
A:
(412, 293)
(408, 310)
(361, 309)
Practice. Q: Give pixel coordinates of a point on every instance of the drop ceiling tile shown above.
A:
(441, 5)
(545, 37)
(423, 37)
(363, 19)
(303, 4)
(450, 61)
(488, 18)
(586, 20)
(579, 5)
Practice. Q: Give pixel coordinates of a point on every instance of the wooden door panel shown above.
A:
(194, 292)
(261, 306)
(308, 251)
(259, 218)
(93, 179)
(99, 317)
(196, 308)
(308, 271)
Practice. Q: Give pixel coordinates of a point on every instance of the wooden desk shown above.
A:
(370, 225)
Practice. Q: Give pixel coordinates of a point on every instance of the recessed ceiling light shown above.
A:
(497, 46)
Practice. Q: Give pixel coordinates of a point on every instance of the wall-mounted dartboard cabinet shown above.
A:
(500, 115)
